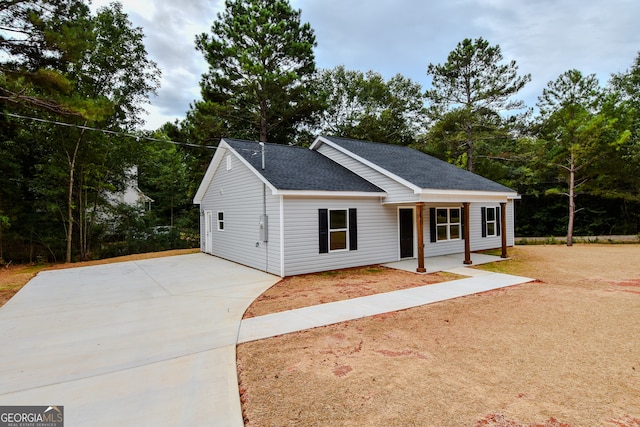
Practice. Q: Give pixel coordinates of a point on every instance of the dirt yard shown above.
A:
(561, 351)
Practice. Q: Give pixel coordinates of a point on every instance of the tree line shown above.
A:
(73, 86)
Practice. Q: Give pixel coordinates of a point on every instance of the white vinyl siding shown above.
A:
(377, 234)
(238, 194)
(478, 242)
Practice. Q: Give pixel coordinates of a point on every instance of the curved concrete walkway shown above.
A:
(143, 343)
(260, 327)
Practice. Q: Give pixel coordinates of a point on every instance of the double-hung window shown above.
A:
(448, 224)
(490, 221)
(338, 230)
(220, 221)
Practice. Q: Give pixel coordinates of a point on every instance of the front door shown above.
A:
(406, 233)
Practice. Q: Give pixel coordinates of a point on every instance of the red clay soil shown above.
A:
(561, 351)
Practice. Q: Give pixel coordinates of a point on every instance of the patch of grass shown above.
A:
(328, 273)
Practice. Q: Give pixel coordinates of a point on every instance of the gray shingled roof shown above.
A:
(417, 167)
(297, 168)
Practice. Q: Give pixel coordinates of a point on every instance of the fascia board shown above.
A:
(430, 195)
(321, 140)
(327, 194)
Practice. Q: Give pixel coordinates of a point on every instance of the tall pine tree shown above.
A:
(261, 63)
(470, 92)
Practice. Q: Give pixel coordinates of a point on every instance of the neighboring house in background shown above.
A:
(345, 203)
(131, 195)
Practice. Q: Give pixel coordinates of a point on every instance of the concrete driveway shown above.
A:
(139, 343)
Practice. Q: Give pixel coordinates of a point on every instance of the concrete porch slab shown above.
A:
(444, 262)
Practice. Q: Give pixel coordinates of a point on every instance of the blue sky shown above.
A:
(544, 37)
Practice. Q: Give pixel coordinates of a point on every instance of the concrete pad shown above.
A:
(157, 394)
(443, 262)
(152, 342)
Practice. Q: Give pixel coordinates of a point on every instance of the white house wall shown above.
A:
(377, 234)
(396, 192)
(477, 242)
(239, 194)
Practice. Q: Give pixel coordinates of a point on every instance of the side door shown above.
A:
(208, 231)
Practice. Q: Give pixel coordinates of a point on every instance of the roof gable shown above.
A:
(406, 164)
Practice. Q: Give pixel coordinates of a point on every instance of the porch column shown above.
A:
(467, 240)
(420, 224)
(503, 226)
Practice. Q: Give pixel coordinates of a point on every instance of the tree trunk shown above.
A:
(572, 200)
(469, 144)
(72, 168)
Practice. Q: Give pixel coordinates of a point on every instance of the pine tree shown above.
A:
(261, 62)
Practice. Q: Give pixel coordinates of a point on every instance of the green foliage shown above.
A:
(136, 231)
(469, 95)
(84, 70)
(40, 42)
(261, 62)
(365, 106)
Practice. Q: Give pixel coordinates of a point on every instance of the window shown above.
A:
(220, 221)
(337, 230)
(448, 224)
(490, 221)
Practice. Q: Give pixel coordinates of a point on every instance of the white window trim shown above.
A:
(494, 221)
(448, 224)
(219, 221)
(333, 230)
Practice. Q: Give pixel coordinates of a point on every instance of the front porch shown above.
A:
(460, 228)
(444, 263)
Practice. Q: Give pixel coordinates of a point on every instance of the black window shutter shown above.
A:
(432, 224)
(498, 222)
(323, 230)
(353, 230)
(483, 215)
(462, 221)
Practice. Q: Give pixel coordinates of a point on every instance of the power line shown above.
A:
(110, 132)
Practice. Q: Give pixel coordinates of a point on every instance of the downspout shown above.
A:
(266, 238)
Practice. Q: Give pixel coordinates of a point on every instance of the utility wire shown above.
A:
(110, 132)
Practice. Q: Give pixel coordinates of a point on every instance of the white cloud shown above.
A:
(544, 37)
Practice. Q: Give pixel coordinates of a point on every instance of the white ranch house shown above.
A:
(344, 203)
